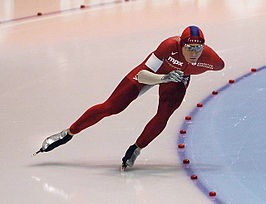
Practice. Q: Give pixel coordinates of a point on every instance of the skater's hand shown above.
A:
(173, 76)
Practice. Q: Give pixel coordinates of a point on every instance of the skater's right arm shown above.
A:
(150, 78)
(155, 61)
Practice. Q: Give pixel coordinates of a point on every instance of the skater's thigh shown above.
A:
(171, 95)
(124, 93)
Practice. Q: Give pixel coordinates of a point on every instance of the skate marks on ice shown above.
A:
(153, 168)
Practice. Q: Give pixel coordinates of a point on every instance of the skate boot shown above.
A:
(54, 141)
(131, 155)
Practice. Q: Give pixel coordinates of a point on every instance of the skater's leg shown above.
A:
(122, 96)
(171, 96)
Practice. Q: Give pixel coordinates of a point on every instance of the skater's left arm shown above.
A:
(212, 59)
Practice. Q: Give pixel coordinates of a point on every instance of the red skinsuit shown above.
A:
(170, 94)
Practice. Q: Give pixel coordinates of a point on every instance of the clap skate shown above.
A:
(54, 141)
(130, 157)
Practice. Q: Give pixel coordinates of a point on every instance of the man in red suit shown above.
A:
(170, 66)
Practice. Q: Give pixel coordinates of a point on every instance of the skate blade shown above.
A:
(123, 168)
(36, 153)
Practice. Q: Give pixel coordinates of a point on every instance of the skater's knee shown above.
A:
(111, 108)
(162, 119)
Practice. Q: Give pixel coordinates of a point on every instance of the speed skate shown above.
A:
(130, 157)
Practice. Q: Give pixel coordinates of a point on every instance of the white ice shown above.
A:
(54, 67)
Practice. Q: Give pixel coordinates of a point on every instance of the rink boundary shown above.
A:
(185, 126)
(87, 7)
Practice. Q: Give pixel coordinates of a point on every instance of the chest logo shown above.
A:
(174, 61)
(174, 53)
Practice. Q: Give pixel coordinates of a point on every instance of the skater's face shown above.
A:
(192, 52)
